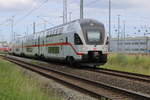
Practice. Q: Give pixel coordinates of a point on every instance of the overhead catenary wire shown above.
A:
(30, 12)
(4, 22)
(92, 2)
(36, 8)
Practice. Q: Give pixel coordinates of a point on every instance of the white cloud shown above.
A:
(7, 5)
(10, 3)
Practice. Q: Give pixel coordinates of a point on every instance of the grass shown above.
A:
(3, 53)
(14, 85)
(129, 63)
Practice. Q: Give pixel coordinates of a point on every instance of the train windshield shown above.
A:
(93, 32)
(93, 35)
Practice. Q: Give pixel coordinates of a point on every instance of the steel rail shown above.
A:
(127, 75)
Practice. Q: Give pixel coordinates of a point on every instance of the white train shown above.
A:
(80, 41)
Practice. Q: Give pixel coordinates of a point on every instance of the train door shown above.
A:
(42, 42)
(22, 47)
(61, 50)
(42, 48)
(77, 42)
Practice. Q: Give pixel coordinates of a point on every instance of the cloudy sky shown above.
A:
(136, 14)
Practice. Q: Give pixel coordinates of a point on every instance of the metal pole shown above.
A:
(124, 35)
(62, 17)
(12, 28)
(109, 24)
(14, 36)
(45, 25)
(65, 11)
(81, 9)
(118, 31)
(33, 27)
(70, 15)
(27, 29)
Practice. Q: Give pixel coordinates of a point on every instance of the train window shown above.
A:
(17, 49)
(29, 49)
(107, 42)
(66, 39)
(47, 32)
(61, 30)
(93, 35)
(55, 32)
(53, 50)
(77, 40)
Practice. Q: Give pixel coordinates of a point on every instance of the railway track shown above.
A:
(127, 75)
(94, 88)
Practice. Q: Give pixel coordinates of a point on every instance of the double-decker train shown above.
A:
(81, 41)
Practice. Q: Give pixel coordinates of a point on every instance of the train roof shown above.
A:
(85, 21)
(81, 21)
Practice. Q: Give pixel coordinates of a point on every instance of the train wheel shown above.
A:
(71, 61)
(94, 66)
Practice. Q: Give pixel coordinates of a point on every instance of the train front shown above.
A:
(96, 43)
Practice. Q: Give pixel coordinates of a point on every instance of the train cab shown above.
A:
(90, 42)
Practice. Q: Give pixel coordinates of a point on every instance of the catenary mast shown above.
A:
(81, 9)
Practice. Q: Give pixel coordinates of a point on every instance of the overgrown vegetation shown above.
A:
(130, 63)
(2, 52)
(14, 85)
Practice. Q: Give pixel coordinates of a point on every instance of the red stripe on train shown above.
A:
(54, 44)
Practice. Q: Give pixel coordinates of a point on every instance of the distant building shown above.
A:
(130, 45)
